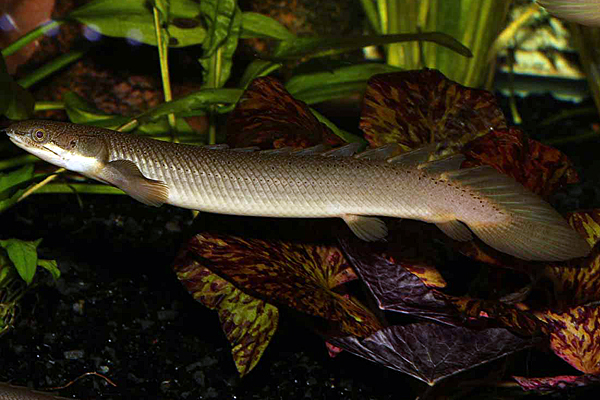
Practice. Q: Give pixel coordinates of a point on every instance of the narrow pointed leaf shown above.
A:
(305, 47)
(256, 25)
(342, 82)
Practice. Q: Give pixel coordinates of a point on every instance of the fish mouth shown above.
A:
(15, 136)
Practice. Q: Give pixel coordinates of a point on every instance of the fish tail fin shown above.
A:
(522, 224)
(536, 241)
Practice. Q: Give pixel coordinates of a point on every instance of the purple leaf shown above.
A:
(431, 352)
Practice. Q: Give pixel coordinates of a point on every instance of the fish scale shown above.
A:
(494, 207)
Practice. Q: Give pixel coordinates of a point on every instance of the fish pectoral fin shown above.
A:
(456, 230)
(125, 175)
(369, 229)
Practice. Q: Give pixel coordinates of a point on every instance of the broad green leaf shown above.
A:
(50, 266)
(320, 86)
(133, 19)
(249, 323)
(325, 46)
(224, 19)
(256, 25)
(23, 255)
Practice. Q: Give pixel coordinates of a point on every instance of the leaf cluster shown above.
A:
(460, 317)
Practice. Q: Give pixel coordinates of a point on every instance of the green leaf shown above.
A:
(255, 69)
(15, 102)
(82, 112)
(342, 82)
(22, 104)
(325, 46)
(23, 255)
(344, 135)
(50, 266)
(200, 100)
(224, 29)
(14, 178)
(256, 25)
(9, 194)
(133, 19)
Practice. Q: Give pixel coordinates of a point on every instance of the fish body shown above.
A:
(496, 208)
(10, 392)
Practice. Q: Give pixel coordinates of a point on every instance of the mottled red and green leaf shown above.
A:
(414, 108)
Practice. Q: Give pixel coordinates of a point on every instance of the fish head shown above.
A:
(59, 143)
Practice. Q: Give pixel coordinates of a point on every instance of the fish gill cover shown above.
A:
(427, 311)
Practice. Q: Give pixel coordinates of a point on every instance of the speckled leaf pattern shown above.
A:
(414, 108)
(509, 316)
(579, 284)
(249, 323)
(269, 117)
(431, 352)
(575, 336)
(540, 168)
(297, 275)
(556, 383)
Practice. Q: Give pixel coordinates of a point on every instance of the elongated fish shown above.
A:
(309, 183)
(9, 392)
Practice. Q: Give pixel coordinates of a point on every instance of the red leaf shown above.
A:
(540, 168)
(267, 116)
(300, 276)
(555, 383)
(414, 108)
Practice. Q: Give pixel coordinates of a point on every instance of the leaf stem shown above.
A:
(30, 37)
(163, 51)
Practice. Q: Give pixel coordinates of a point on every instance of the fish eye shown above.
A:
(39, 135)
